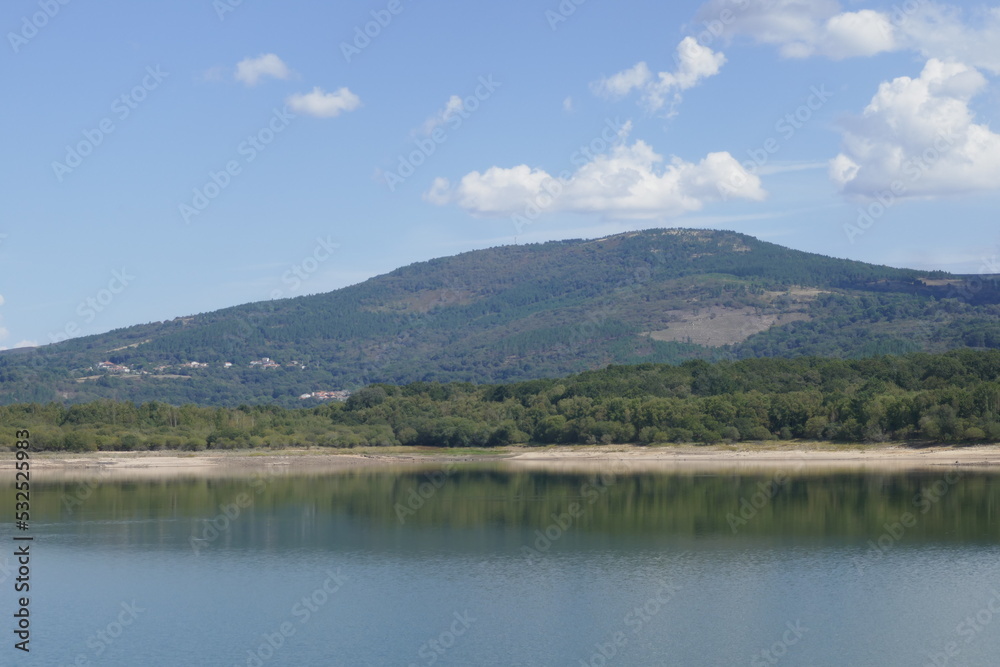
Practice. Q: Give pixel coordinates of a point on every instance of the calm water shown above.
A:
(501, 566)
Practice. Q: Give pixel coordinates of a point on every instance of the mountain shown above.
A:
(523, 312)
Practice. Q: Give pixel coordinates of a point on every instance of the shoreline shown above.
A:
(742, 457)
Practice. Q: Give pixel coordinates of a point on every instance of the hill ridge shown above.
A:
(519, 312)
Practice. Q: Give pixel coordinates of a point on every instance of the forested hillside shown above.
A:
(523, 312)
(951, 397)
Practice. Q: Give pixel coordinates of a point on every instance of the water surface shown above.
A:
(491, 564)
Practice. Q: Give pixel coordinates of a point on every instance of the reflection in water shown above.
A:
(950, 504)
(496, 564)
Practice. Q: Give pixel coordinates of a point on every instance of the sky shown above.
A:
(162, 159)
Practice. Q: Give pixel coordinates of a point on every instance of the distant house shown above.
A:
(338, 395)
(109, 367)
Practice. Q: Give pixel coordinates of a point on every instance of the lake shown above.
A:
(505, 564)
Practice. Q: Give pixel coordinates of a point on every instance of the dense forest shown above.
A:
(524, 312)
(952, 397)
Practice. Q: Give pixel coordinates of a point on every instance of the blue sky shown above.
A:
(165, 159)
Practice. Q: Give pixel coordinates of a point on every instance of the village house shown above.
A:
(338, 395)
(109, 367)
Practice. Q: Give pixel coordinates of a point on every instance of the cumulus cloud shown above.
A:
(324, 105)
(621, 84)
(946, 33)
(251, 70)
(802, 28)
(854, 34)
(917, 138)
(453, 106)
(694, 64)
(632, 181)
(805, 28)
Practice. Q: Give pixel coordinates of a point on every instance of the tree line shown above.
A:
(952, 397)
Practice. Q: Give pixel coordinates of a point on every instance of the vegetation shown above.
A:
(950, 397)
(524, 312)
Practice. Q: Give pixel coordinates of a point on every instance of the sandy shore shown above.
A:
(621, 458)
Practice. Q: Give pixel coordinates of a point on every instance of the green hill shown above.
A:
(523, 312)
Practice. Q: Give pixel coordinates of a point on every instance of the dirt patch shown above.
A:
(125, 347)
(426, 300)
(718, 326)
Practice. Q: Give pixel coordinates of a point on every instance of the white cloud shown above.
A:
(568, 105)
(919, 135)
(324, 105)
(852, 34)
(694, 64)
(621, 84)
(631, 182)
(251, 70)
(453, 106)
(804, 28)
(941, 31)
